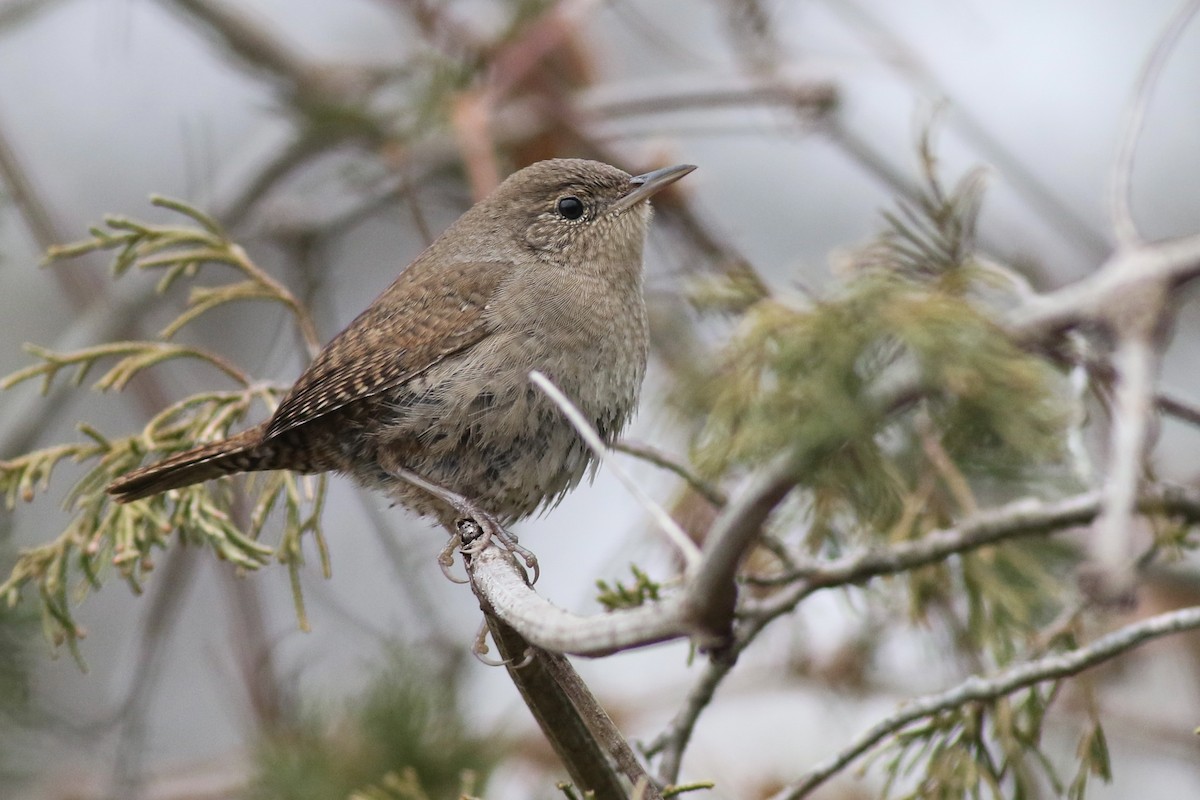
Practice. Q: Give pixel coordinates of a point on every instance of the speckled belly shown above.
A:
(488, 435)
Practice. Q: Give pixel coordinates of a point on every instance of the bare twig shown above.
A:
(1121, 177)
(674, 739)
(83, 290)
(1128, 295)
(710, 597)
(712, 594)
(979, 689)
(815, 97)
(1169, 263)
(1015, 520)
(676, 535)
(658, 458)
(289, 158)
(1178, 407)
(251, 41)
(1136, 363)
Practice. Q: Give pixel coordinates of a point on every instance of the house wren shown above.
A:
(433, 378)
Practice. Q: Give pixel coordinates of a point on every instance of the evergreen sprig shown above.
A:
(179, 251)
(103, 535)
(989, 750)
(619, 595)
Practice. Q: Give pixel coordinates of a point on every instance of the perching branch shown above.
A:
(497, 579)
(582, 735)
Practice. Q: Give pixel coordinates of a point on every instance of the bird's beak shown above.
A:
(643, 187)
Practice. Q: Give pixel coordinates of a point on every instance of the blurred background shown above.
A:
(333, 140)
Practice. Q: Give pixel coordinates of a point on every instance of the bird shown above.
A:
(426, 397)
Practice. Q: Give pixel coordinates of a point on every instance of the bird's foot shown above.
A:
(474, 530)
(446, 558)
(479, 529)
(480, 650)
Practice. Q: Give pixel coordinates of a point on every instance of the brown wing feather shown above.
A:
(426, 315)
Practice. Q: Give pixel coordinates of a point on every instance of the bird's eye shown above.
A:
(570, 207)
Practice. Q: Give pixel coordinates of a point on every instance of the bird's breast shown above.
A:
(476, 424)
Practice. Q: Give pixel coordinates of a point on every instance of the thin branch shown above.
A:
(978, 689)
(288, 159)
(1120, 180)
(251, 41)
(711, 594)
(682, 542)
(816, 97)
(710, 598)
(83, 290)
(1015, 520)
(674, 739)
(1178, 407)
(37, 216)
(660, 458)
(1170, 263)
(1136, 362)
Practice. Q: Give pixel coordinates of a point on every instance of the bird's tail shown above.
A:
(244, 452)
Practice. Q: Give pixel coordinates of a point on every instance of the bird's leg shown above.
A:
(476, 528)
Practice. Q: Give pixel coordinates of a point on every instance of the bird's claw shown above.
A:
(480, 650)
(446, 559)
(480, 529)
